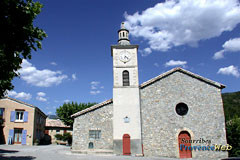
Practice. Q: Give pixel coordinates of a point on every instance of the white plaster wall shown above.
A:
(126, 103)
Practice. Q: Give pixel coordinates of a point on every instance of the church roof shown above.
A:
(149, 82)
(92, 108)
(216, 84)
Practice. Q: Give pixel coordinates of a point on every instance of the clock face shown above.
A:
(125, 56)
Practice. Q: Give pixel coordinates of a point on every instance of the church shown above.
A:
(177, 114)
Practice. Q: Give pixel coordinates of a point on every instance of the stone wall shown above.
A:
(161, 124)
(99, 119)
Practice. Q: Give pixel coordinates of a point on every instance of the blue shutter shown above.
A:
(25, 116)
(10, 136)
(12, 118)
(24, 136)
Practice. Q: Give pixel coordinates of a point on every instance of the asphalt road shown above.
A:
(56, 152)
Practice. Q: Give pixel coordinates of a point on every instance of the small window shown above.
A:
(58, 130)
(123, 35)
(125, 76)
(181, 109)
(94, 134)
(19, 116)
(90, 145)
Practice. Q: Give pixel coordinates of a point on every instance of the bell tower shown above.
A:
(126, 100)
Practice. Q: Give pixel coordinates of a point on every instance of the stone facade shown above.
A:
(161, 124)
(99, 119)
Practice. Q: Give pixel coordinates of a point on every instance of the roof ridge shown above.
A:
(24, 103)
(146, 83)
(92, 108)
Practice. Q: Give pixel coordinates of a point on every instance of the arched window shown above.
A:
(125, 76)
(123, 35)
(90, 145)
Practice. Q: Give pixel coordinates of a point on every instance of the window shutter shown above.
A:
(10, 136)
(24, 136)
(25, 117)
(12, 118)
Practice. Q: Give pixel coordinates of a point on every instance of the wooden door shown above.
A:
(126, 144)
(185, 152)
(17, 135)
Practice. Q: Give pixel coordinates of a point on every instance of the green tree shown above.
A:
(65, 137)
(18, 37)
(233, 136)
(65, 111)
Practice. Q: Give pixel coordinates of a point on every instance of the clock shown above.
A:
(125, 56)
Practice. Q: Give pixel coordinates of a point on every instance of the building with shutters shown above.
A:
(21, 123)
(153, 118)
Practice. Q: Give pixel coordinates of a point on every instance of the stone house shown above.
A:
(156, 118)
(21, 123)
(56, 126)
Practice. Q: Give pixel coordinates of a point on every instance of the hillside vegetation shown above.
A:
(231, 103)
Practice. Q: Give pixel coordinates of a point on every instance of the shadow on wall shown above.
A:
(7, 157)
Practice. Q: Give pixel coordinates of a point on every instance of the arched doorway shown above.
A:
(185, 149)
(126, 144)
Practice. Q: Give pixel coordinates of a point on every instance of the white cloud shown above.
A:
(218, 55)
(94, 84)
(156, 64)
(74, 76)
(145, 52)
(174, 23)
(66, 101)
(95, 88)
(42, 99)
(175, 63)
(232, 45)
(95, 92)
(53, 63)
(20, 95)
(40, 78)
(41, 94)
(230, 70)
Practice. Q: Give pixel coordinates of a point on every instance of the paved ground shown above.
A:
(56, 152)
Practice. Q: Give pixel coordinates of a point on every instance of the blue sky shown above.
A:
(75, 63)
